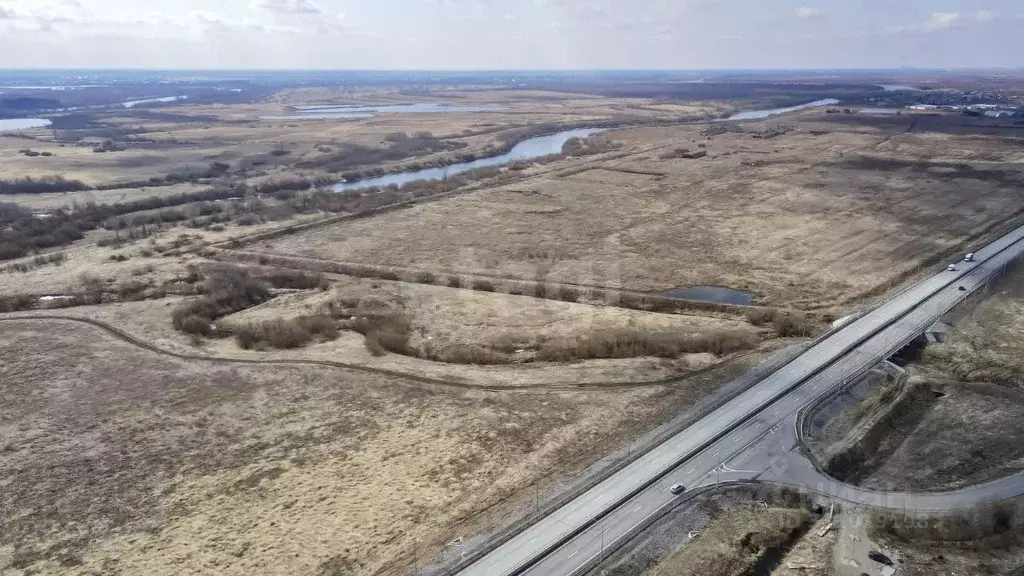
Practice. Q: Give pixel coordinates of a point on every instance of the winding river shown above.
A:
(525, 150)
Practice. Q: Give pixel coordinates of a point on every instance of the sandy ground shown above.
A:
(118, 460)
(816, 218)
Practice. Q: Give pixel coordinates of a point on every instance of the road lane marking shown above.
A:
(574, 553)
(692, 470)
(638, 508)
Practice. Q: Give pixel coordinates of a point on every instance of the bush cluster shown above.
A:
(41, 185)
(226, 289)
(285, 333)
(55, 258)
(631, 343)
(785, 323)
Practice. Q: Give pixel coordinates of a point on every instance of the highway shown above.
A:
(575, 536)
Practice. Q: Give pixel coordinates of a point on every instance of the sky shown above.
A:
(510, 34)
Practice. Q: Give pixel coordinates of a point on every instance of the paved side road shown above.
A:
(571, 539)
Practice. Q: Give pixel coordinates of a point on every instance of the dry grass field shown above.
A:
(145, 433)
(816, 219)
(119, 460)
(731, 544)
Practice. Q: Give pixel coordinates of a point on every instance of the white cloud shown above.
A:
(941, 20)
(290, 7)
(986, 16)
(806, 12)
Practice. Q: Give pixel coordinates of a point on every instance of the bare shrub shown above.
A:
(761, 316)
(293, 279)
(792, 324)
(386, 328)
(461, 353)
(426, 277)
(285, 333)
(569, 294)
(454, 281)
(192, 324)
(16, 302)
(631, 343)
(483, 285)
(227, 289)
(248, 219)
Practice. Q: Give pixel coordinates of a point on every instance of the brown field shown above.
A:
(816, 219)
(124, 461)
(130, 447)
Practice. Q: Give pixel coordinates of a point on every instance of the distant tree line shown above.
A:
(41, 185)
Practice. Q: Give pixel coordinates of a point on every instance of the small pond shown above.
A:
(716, 294)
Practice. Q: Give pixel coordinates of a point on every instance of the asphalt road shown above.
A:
(570, 540)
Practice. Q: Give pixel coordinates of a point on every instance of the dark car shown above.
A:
(880, 558)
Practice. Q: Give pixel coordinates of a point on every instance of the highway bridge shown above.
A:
(752, 436)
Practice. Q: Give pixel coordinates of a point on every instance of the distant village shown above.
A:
(973, 103)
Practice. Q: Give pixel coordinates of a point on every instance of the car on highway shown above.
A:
(969, 257)
(677, 489)
(951, 267)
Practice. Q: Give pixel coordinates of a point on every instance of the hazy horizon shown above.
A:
(534, 35)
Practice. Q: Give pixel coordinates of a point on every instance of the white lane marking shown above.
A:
(574, 553)
(638, 508)
(735, 440)
(692, 470)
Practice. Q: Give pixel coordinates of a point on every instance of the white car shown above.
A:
(969, 257)
(951, 267)
(677, 489)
